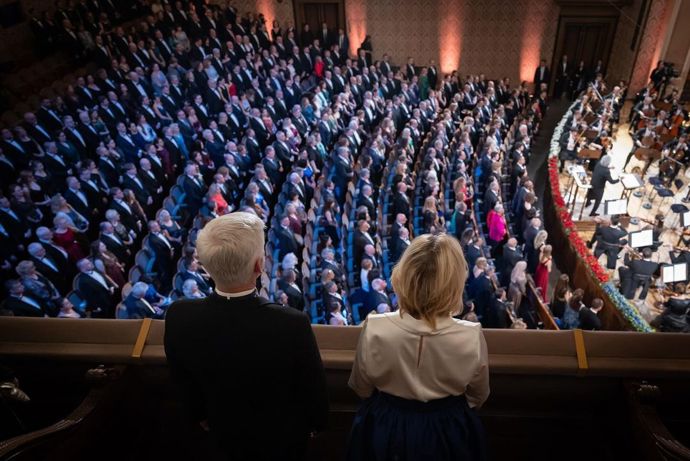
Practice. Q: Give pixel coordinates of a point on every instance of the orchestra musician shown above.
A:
(569, 141)
(644, 137)
(600, 176)
(610, 240)
(641, 112)
(637, 272)
(674, 318)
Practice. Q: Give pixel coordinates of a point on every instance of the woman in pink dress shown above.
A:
(541, 276)
(498, 228)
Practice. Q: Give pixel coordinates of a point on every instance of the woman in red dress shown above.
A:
(66, 236)
(541, 276)
(215, 194)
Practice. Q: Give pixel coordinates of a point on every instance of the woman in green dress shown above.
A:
(423, 85)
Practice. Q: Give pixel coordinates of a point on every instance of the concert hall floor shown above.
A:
(621, 147)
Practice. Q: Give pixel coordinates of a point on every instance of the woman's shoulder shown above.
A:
(376, 322)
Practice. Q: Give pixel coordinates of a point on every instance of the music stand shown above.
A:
(674, 273)
(641, 239)
(615, 207)
(580, 180)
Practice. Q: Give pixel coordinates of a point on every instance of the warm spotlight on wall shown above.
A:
(356, 13)
(530, 49)
(267, 8)
(450, 38)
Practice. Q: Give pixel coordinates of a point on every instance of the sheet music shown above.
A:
(616, 207)
(630, 181)
(642, 239)
(674, 273)
(667, 274)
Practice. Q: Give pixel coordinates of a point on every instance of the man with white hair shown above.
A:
(137, 307)
(47, 266)
(377, 295)
(257, 363)
(96, 289)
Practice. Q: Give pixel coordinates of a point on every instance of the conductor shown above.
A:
(249, 370)
(600, 176)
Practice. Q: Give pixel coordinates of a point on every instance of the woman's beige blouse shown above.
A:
(405, 357)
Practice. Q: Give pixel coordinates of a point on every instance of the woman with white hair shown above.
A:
(498, 227)
(223, 342)
(66, 236)
(289, 262)
(190, 290)
(420, 370)
(534, 252)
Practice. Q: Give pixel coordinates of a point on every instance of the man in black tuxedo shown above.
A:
(287, 241)
(600, 176)
(113, 243)
(636, 273)
(97, 290)
(19, 304)
(365, 199)
(136, 305)
(194, 188)
(132, 181)
(474, 251)
(50, 268)
(588, 315)
(609, 239)
(362, 238)
(343, 172)
(401, 203)
(164, 252)
(562, 73)
(289, 286)
(541, 75)
(510, 257)
(483, 292)
(222, 343)
(13, 222)
(400, 244)
(191, 271)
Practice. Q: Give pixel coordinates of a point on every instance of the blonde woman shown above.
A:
(517, 289)
(430, 215)
(419, 369)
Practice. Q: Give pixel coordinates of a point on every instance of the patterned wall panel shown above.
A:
(652, 42)
(491, 36)
(622, 57)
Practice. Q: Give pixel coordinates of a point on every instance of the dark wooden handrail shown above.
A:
(542, 309)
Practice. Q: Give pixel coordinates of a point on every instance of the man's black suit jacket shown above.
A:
(246, 365)
(96, 296)
(19, 308)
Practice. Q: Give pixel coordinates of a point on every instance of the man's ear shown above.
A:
(259, 265)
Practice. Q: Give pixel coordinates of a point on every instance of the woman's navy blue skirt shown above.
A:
(387, 427)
